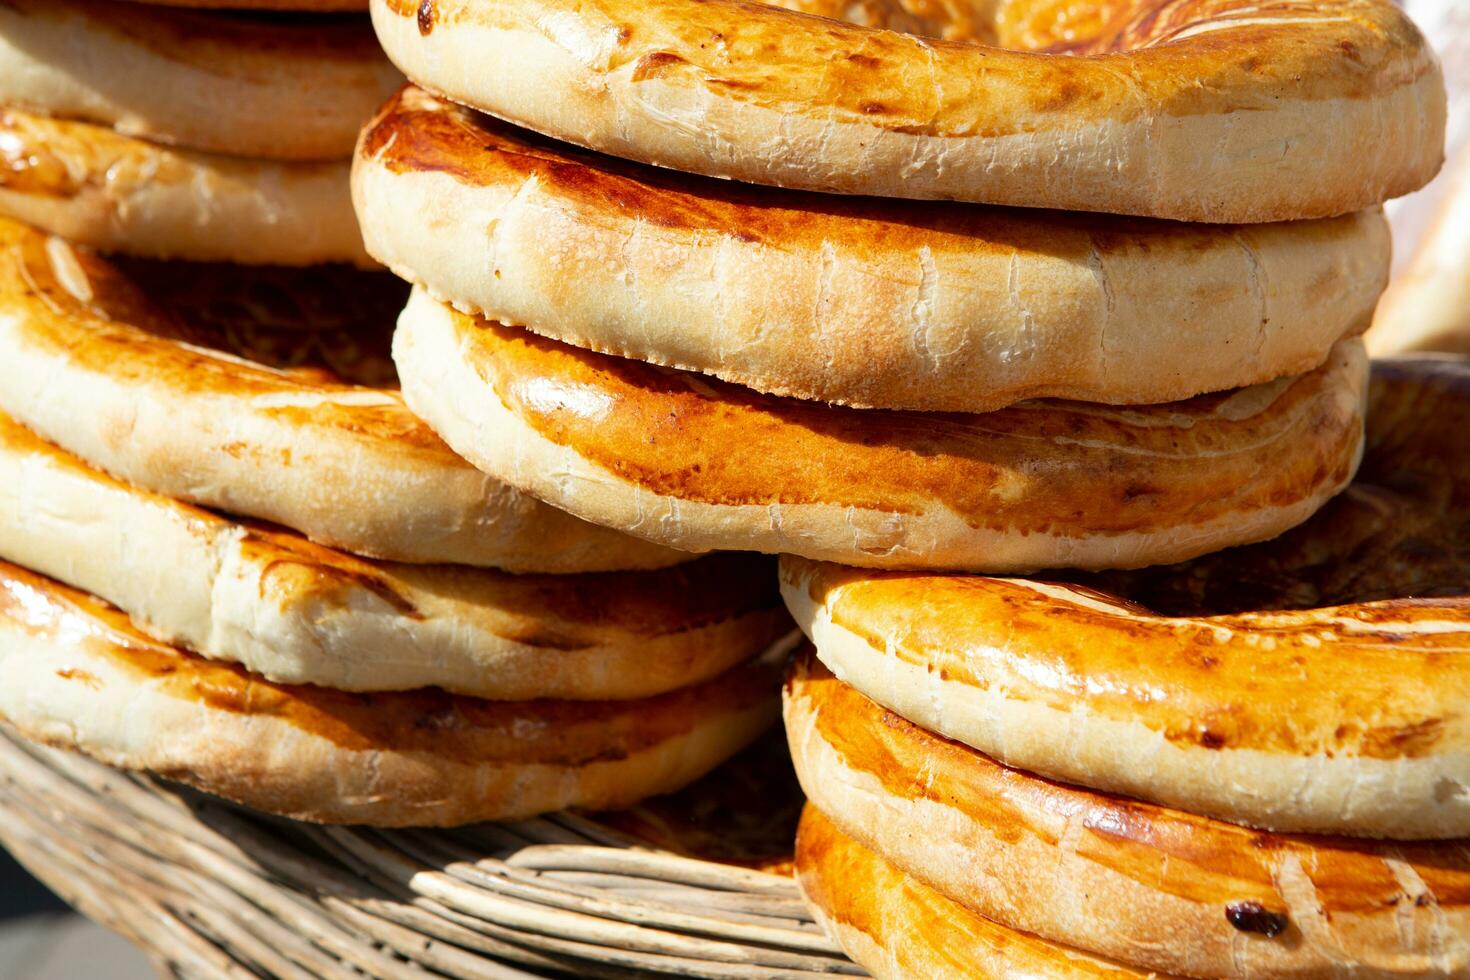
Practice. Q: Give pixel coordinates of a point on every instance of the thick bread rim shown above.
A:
(347, 466)
(863, 303)
(1339, 716)
(75, 674)
(451, 383)
(278, 89)
(1197, 110)
(898, 928)
(118, 193)
(1131, 881)
(1382, 749)
(297, 613)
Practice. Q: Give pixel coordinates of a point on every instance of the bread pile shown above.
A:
(1027, 333)
(228, 552)
(1197, 730)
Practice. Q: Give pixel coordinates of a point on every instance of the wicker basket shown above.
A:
(209, 889)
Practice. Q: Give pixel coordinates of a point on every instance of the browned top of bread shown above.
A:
(1367, 603)
(450, 727)
(1089, 468)
(1197, 858)
(1177, 108)
(896, 926)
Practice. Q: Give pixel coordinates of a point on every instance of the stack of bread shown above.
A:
(228, 551)
(1189, 734)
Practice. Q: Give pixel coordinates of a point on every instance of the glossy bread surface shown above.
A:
(898, 927)
(1150, 885)
(1214, 110)
(98, 684)
(863, 302)
(150, 381)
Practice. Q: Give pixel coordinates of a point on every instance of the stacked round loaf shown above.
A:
(922, 295)
(229, 553)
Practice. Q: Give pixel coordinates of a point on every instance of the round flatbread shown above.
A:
(867, 303)
(1196, 110)
(695, 463)
(1315, 682)
(75, 673)
(116, 193)
(1157, 888)
(299, 613)
(896, 927)
(280, 88)
(97, 363)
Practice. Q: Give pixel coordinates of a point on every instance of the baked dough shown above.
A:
(1158, 888)
(279, 88)
(898, 928)
(1317, 682)
(299, 613)
(94, 365)
(74, 673)
(888, 304)
(694, 463)
(119, 193)
(1199, 110)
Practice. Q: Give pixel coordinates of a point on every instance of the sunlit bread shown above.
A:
(75, 673)
(1316, 682)
(896, 927)
(94, 365)
(1199, 110)
(690, 462)
(299, 613)
(1138, 883)
(888, 304)
(123, 194)
(278, 88)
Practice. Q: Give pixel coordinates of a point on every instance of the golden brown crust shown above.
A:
(99, 188)
(854, 301)
(1317, 681)
(1159, 888)
(97, 367)
(273, 87)
(896, 927)
(1204, 110)
(698, 463)
(299, 613)
(78, 673)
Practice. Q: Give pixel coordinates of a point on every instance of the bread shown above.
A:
(299, 613)
(94, 365)
(280, 88)
(75, 673)
(1316, 682)
(695, 463)
(897, 928)
(888, 304)
(1157, 888)
(1198, 110)
(119, 193)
